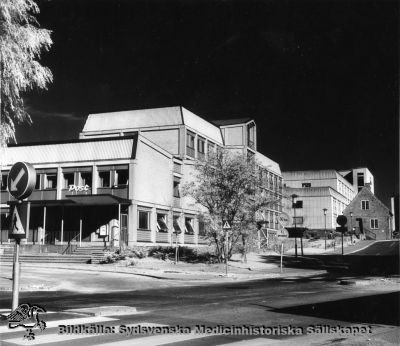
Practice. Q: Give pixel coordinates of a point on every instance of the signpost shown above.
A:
(226, 226)
(20, 182)
(342, 221)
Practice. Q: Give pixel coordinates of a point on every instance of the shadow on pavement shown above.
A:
(350, 264)
(373, 309)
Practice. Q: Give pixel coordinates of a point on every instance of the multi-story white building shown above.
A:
(123, 176)
(359, 177)
(315, 191)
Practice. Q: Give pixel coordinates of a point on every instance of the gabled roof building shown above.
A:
(368, 216)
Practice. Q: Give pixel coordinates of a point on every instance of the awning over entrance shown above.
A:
(83, 200)
(97, 200)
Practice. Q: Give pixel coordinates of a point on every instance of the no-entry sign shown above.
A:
(21, 180)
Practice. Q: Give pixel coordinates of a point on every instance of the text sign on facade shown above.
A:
(18, 221)
(342, 229)
(21, 180)
(226, 225)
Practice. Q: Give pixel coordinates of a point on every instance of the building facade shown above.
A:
(367, 215)
(119, 183)
(359, 177)
(316, 191)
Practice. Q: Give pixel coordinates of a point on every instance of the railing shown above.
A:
(69, 247)
(369, 235)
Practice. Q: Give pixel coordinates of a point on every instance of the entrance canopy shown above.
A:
(97, 200)
(81, 200)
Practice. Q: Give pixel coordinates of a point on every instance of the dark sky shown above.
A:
(320, 78)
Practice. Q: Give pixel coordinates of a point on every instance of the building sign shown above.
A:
(78, 188)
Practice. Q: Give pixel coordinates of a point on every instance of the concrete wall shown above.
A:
(166, 139)
(153, 176)
(234, 135)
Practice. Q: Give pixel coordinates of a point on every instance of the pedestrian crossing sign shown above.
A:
(226, 225)
(16, 227)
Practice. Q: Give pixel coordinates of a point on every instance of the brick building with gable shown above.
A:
(367, 215)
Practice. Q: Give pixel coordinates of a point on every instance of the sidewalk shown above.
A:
(147, 272)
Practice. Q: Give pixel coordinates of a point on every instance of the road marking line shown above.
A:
(158, 340)
(8, 311)
(47, 338)
(52, 324)
(252, 342)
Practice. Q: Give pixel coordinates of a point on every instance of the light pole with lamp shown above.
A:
(325, 210)
(351, 227)
(294, 196)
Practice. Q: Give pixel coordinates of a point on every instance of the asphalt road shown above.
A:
(380, 248)
(289, 305)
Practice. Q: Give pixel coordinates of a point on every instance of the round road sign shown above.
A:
(341, 220)
(21, 180)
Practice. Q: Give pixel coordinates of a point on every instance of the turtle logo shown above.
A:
(27, 316)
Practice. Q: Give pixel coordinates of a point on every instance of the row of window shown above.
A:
(105, 178)
(270, 180)
(162, 223)
(201, 146)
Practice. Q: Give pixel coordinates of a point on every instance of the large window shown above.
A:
(143, 217)
(177, 182)
(37, 185)
(201, 148)
(121, 177)
(360, 180)
(210, 148)
(298, 220)
(189, 225)
(374, 223)
(364, 205)
(190, 137)
(251, 136)
(162, 223)
(86, 179)
(104, 179)
(51, 181)
(68, 180)
(298, 205)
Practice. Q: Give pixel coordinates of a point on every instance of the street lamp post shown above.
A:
(325, 210)
(294, 196)
(351, 227)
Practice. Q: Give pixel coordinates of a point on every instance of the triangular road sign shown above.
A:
(226, 224)
(16, 226)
